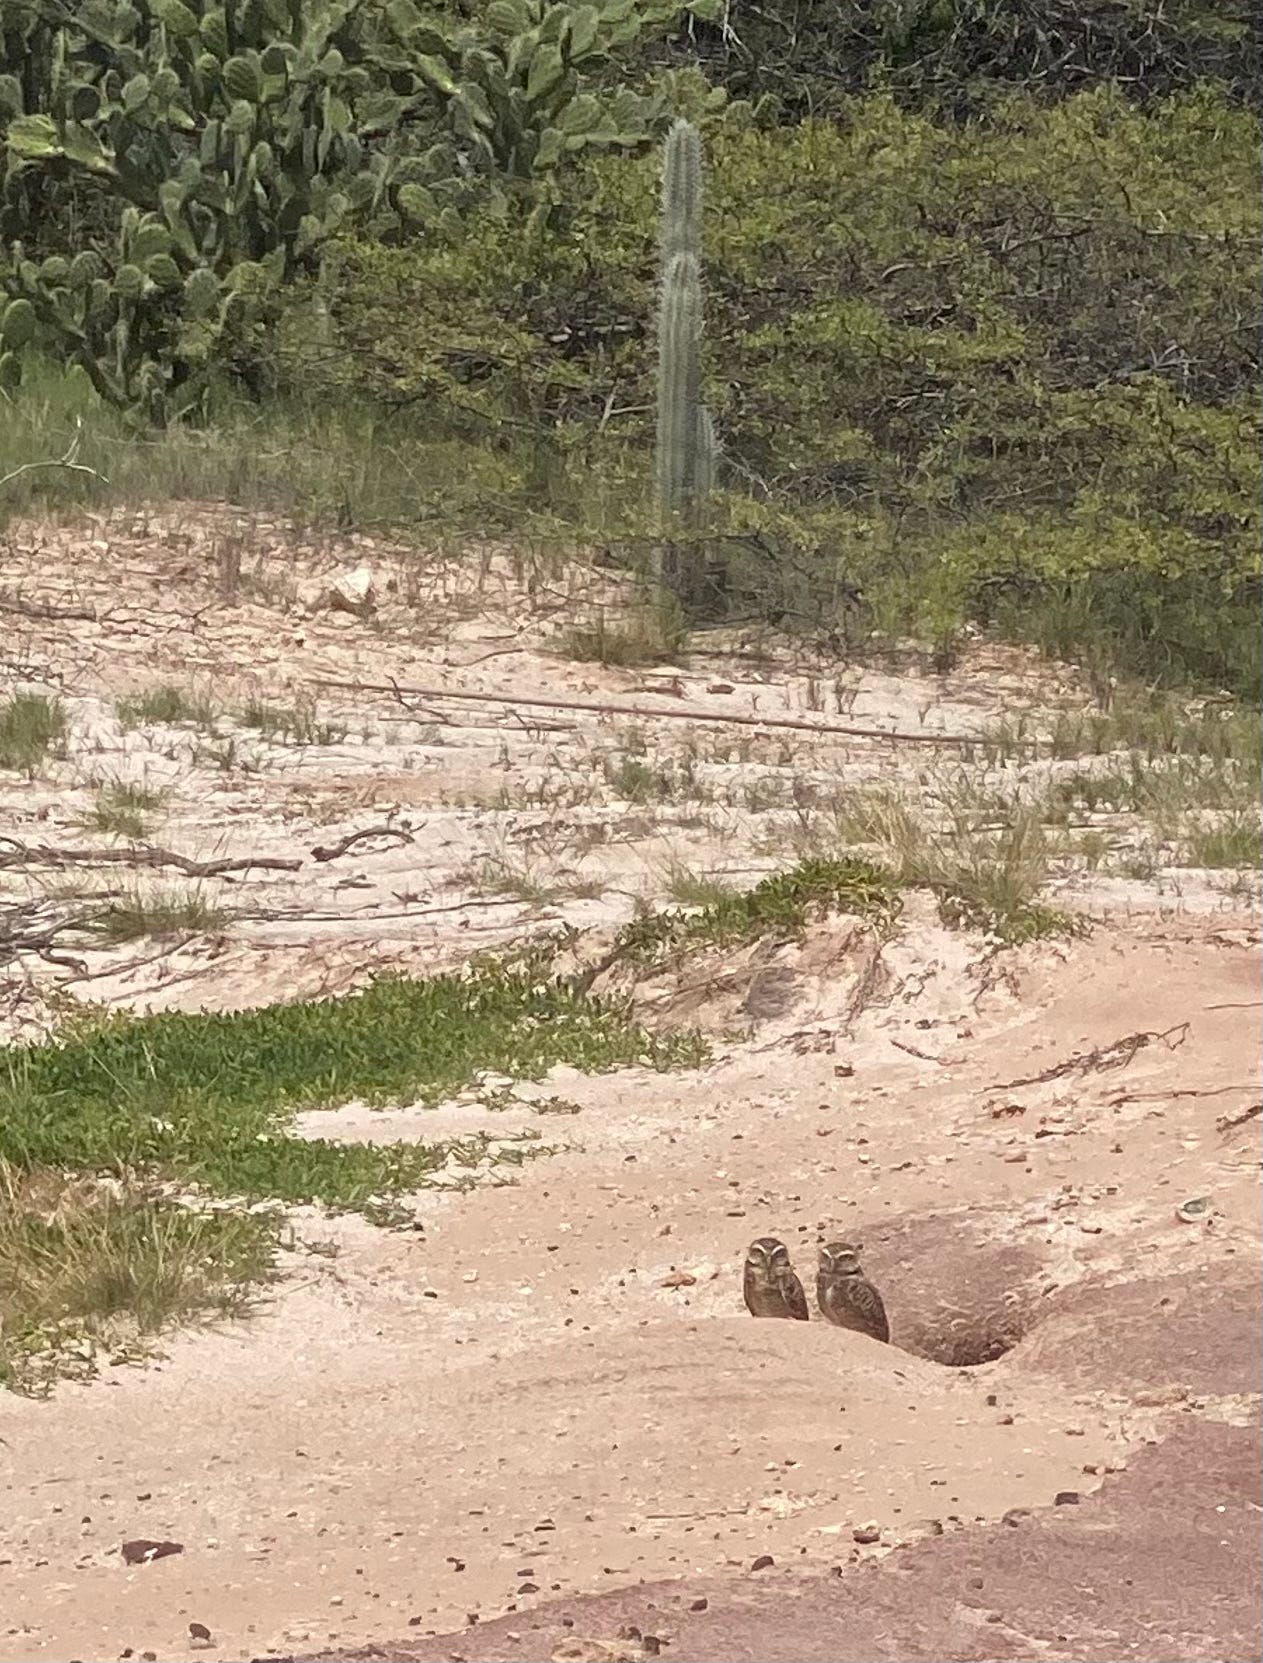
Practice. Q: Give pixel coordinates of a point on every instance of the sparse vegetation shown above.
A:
(296, 724)
(99, 1264)
(644, 637)
(689, 888)
(528, 880)
(31, 725)
(121, 807)
(1234, 841)
(779, 905)
(640, 781)
(986, 862)
(166, 703)
(156, 910)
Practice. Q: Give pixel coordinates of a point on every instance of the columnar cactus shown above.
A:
(679, 377)
(682, 193)
(686, 435)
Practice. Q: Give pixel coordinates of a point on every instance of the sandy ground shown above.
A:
(540, 1422)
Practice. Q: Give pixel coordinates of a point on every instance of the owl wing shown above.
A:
(749, 1289)
(866, 1300)
(795, 1298)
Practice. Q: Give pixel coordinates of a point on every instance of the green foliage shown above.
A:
(219, 148)
(780, 905)
(1005, 372)
(205, 1098)
(30, 725)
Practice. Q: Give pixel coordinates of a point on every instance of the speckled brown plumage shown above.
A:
(771, 1289)
(845, 1295)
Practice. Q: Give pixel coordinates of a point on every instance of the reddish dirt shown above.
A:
(1162, 1563)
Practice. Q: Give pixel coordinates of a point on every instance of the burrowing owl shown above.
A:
(771, 1289)
(845, 1294)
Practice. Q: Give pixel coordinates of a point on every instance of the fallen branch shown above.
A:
(45, 611)
(67, 461)
(912, 1051)
(27, 927)
(512, 700)
(1121, 1097)
(20, 854)
(1116, 1055)
(1226, 1122)
(331, 851)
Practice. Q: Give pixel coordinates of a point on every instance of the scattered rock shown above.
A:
(1196, 1210)
(144, 1552)
(352, 591)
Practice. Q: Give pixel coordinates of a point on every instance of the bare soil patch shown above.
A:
(540, 1416)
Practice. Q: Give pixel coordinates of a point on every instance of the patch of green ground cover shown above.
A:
(993, 890)
(780, 904)
(205, 1098)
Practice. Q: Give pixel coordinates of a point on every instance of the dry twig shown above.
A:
(331, 851)
(14, 853)
(513, 700)
(1226, 1122)
(1103, 1057)
(67, 461)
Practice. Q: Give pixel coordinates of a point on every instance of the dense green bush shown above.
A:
(961, 370)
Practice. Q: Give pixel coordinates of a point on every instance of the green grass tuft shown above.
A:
(31, 724)
(156, 911)
(87, 1265)
(296, 724)
(167, 704)
(120, 809)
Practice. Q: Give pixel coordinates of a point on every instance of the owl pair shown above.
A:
(845, 1295)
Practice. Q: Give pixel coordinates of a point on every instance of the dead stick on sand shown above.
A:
(512, 700)
(15, 853)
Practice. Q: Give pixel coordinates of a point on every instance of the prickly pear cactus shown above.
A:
(241, 135)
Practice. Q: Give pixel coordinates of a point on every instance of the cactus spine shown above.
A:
(685, 461)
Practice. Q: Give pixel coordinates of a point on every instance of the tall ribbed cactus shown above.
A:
(682, 193)
(679, 383)
(686, 436)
